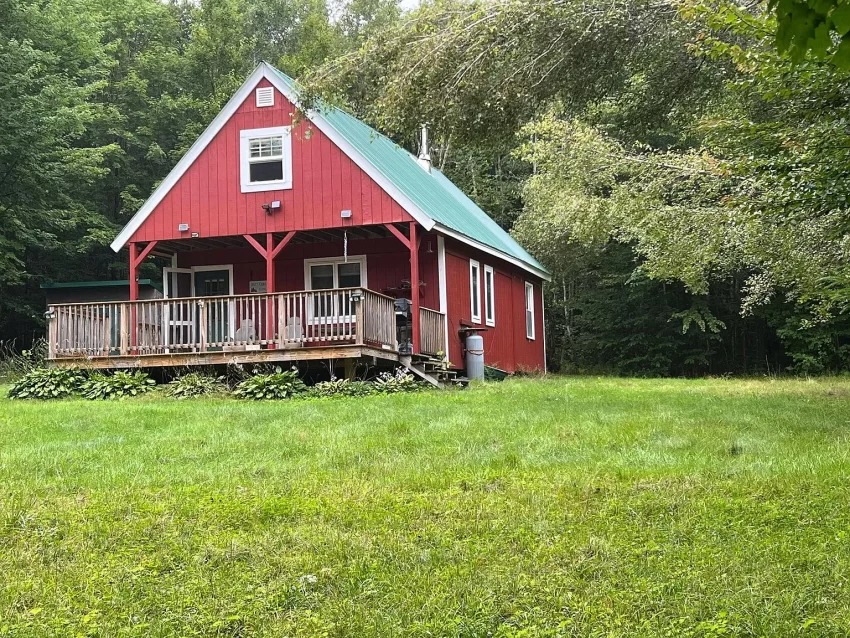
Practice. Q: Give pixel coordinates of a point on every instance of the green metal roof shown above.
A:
(432, 192)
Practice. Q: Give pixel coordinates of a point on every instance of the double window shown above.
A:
(327, 274)
(266, 159)
(479, 296)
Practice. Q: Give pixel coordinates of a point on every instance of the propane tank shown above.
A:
(475, 357)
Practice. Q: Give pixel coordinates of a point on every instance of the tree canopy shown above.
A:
(667, 158)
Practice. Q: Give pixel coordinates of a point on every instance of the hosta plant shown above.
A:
(48, 383)
(341, 388)
(275, 385)
(393, 383)
(195, 384)
(117, 385)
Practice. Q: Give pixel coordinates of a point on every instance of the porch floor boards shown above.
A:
(180, 359)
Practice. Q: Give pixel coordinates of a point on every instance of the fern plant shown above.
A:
(275, 385)
(195, 384)
(48, 383)
(117, 385)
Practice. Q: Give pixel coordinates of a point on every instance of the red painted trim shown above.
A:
(256, 245)
(395, 231)
(414, 284)
(134, 265)
(151, 245)
(283, 242)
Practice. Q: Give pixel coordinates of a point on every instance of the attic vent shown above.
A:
(265, 96)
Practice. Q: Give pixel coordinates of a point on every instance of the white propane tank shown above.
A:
(475, 357)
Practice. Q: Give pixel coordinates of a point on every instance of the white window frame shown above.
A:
(331, 261)
(474, 284)
(245, 137)
(489, 293)
(529, 311)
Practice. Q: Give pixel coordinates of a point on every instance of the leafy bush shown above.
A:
(341, 388)
(48, 383)
(195, 384)
(393, 383)
(275, 385)
(117, 385)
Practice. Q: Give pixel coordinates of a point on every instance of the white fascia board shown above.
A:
(448, 232)
(356, 156)
(189, 158)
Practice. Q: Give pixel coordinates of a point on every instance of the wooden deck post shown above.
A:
(134, 290)
(270, 287)
(414, 287)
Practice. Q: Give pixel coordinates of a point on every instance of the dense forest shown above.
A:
(682, 167)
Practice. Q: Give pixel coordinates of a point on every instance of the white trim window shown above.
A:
(475, 291)
(489, 296)
(265, 156)
(529, 310)
(332, 273)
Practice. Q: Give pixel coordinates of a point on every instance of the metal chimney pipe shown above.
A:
(424, 159)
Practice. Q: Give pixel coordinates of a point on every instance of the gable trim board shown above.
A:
(266, 71)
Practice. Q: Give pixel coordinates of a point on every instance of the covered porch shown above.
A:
(303, 325)
(334, 293)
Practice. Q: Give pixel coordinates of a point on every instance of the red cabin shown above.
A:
(310, 236)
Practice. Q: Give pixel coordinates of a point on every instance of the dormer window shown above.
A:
(266, 159)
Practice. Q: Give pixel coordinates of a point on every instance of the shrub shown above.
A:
(48, 383)
(195, 384)
(393, 383)
(341, 388)
(117, 385)
(275, 385)
(14, 364)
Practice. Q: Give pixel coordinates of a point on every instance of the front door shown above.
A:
(215, 283)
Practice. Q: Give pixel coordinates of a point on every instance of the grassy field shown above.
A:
(559, 507)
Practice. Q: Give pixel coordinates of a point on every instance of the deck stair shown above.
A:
(433, 371)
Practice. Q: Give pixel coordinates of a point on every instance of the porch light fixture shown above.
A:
(345, 214)
(183, 227)
(272, 207)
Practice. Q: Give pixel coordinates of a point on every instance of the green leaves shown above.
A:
(275, 385)
(117, 385)
(48, 383)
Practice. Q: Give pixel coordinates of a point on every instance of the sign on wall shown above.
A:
(258, 286)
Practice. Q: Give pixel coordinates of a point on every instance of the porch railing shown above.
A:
(432, 335)
(228, 323)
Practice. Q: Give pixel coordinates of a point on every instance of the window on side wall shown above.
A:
(475, 290)
(489, 296)
(265, 159)
(529, 310)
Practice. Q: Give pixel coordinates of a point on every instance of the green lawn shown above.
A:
(559, 507)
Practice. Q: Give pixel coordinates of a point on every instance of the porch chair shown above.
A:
(293, 336)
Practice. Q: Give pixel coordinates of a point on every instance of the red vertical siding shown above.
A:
(505, 344)
(325, 181)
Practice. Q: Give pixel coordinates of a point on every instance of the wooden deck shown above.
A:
(305, 325)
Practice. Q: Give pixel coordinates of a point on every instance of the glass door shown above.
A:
(215, 283)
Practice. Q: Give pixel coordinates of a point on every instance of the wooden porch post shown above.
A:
(268, 253)
(134, 282)
(134, 291)
(270, 289)
(414, 286)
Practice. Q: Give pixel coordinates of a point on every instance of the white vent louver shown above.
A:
(265, 96)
